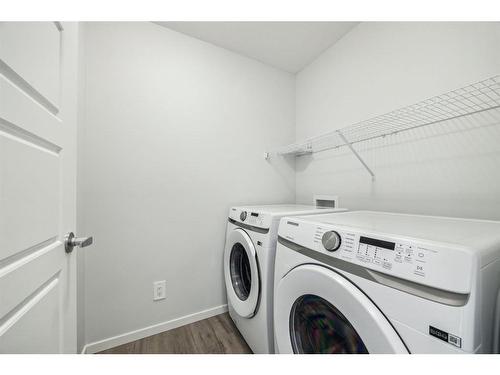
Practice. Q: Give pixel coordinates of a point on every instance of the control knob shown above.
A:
(243, 215)
(331, 240)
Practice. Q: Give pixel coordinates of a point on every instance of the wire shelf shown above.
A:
(472, 99)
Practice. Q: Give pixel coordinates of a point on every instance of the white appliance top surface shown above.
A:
(286, 209)
(470, 233)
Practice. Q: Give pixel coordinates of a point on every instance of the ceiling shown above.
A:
(289, 46)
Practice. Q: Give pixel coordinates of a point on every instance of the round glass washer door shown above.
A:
(241, 273)
(317, 327)
(319, 311)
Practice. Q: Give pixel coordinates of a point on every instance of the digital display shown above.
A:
(254, 214)
(379, 243)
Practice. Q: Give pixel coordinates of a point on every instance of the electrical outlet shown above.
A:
(159, 290)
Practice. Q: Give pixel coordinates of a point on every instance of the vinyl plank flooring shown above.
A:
(224, 330)
(215, 335)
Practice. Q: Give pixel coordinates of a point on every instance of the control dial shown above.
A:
(331, 240)
(243, 215)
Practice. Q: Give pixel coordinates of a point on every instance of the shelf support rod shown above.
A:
(348, 144)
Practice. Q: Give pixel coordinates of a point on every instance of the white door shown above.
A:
(38, 111)
(241, 273)
(317, 310)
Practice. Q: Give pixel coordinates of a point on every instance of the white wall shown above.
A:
(174, 134)
(448, 169)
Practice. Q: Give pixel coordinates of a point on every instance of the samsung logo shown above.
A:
(292, 223)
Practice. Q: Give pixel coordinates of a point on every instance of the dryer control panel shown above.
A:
(430, 263)
(249, 217)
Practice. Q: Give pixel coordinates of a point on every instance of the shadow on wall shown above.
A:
(283, 166)
(449, 168)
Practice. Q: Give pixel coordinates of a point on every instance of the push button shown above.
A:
(362, 248)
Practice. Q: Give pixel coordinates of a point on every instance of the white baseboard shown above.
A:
(124, 338)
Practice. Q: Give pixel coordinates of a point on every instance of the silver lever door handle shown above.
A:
(70, 242)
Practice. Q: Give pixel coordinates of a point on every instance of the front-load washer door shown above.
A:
(319, 311)
(241, 273)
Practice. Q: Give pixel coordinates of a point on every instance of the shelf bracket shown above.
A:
(348, 144)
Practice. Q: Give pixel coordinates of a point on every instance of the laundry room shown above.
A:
(249, 185)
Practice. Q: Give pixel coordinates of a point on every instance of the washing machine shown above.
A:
(375, 282)
(249, 268)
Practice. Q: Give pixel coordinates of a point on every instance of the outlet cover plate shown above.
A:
(159, 290)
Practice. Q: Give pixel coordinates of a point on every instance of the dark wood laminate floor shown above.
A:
(215, 335)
